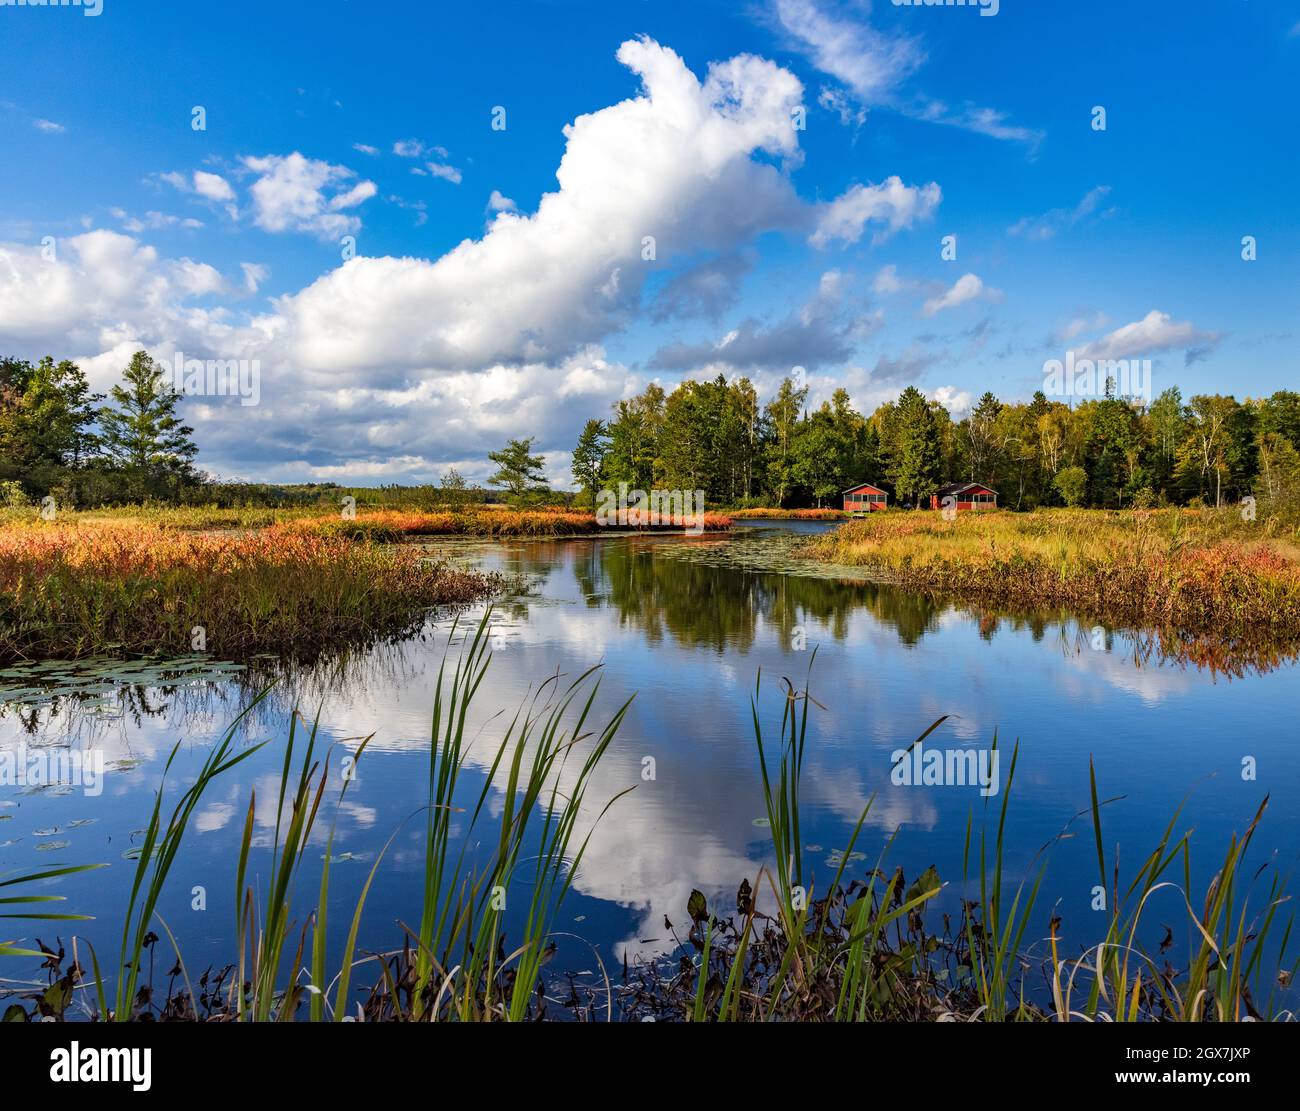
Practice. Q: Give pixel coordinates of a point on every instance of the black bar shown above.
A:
(342, 1058)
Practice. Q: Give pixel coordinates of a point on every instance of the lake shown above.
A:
(686, 625)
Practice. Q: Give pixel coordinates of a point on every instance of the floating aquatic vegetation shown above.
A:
(93, 683)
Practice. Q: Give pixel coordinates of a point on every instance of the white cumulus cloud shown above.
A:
(890, 204)
(671, 168)
(295, 193)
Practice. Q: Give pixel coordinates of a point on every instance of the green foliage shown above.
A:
(589, 459)
(833, 449)
(12, 495)
(783, 421)
(45, 415)
(912, 453)
(1278, 485)
(1072, 484)
(141, 433)
(712, 435)
(715, 436)
(519, 473)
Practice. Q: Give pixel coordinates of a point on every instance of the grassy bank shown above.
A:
(383, 525)
(76, 589)
(389, 526)
(863, 945)
(288, 581)
(182, 518)
(774, 514)
(1185, 570)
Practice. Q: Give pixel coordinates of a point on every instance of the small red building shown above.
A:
(964, 495)
(864, 498)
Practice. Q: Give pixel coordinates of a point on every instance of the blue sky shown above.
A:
(474, 310)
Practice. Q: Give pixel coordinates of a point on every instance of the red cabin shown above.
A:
(964, 495)
(864, 498)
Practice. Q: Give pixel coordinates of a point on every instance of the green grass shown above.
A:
(10, 901)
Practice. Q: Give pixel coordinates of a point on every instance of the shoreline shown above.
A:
(1196, 578)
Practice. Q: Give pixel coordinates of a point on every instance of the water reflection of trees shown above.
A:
(714, 601)
(711, 600)
(720, 606)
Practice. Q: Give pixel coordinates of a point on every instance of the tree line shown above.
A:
(56, 438)
(1111, 452)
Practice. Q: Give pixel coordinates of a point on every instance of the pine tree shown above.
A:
(519, 473)
(783, 418)
(981, 439)
(914, 464)
(589, 458)
(141, 432)
(634, 436)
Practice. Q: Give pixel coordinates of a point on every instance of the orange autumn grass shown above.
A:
(1176, 569)
(388, 526)
(776, 514)
(69, 590)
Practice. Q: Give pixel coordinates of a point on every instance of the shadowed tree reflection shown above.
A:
(715, 605)
(714, 593)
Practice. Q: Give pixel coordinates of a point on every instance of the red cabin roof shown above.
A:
(957, 489)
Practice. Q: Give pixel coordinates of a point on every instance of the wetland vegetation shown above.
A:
(133, 588)
(210, 588)
(862, 943)
(1188, 571)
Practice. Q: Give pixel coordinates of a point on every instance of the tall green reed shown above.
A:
(460, 954)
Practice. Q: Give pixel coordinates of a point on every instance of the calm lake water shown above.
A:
(686, 625)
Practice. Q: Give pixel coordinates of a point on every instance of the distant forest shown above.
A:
(1110, 452)
(56, 438)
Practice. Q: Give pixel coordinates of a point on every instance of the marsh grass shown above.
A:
(392, 526)
(1224, 979)
(461, 968)
(10, 903)
(1191, 572)
(387, 525)
(457, 963)
(777, 514)
(162, 841)
(68, 591)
